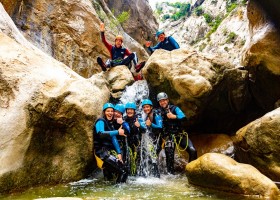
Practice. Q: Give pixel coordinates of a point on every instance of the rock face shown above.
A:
(141, 24)
(219, 172)
(258, 144)
(46, 114)
(69, 31)
(263, 46)
(213, 95)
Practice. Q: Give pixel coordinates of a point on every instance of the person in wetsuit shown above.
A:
(173, 131)
(106, 143)
(119, 54)
(134, 138)
(153, 124)
(167, 43)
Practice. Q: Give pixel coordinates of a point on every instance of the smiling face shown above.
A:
(147, 108)
(130, 112)
(109, 113)
(118, 43)
(163, 103)
(117, 114)
(161, 37)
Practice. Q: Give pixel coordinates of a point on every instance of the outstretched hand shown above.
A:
(102, 27)
(148, 43)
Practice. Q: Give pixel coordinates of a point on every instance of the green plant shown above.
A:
(230, 7)
(214, 26)
(198, 11)
(231, 37)
(123, 17)
(208, 18)
(166, 16)
(202, 46)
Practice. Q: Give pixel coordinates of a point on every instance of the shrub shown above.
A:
(198, 11)
(123, 17)
(208, 18)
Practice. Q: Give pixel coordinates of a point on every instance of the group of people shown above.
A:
(118, 134)
(120, 55)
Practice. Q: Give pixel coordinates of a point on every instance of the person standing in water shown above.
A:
(105, 142)
(173, 131)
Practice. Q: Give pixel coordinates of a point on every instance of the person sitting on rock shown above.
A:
(167, 43)
(173, 131)
(119, 54)
(105, 143)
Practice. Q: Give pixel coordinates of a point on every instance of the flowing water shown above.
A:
(138, 188)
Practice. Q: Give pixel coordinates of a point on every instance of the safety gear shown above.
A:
(159, 32)
(120, 107)
(140, 66)
(147, 102)
(131, 105)
(162, 95)
(107, 105)
(119, 37)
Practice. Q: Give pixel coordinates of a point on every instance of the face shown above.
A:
(118, 43)
(161, 37)
(130, 112)
(163, 103)
(109, 113)
(147, 108)
(117, 114)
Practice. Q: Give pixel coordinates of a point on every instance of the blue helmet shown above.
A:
(159, 32)
(107, 105)
(131, 105)
(147, 102)
(120, 107)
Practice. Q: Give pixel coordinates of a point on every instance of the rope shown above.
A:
(177, 144)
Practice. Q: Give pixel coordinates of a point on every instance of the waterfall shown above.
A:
(148, 156)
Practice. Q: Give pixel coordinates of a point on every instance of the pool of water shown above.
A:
(167, 187)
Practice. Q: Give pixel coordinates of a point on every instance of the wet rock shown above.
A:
(46, 113)
(118, 78)
(213, 95)
(258, 144)
(219, 172)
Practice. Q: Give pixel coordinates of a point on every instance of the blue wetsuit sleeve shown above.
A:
(142, 123)
(158, 122)
(126, 127)
(179, 113)
(173, 42)
(100, 129)
(152, 49)
(116, 144)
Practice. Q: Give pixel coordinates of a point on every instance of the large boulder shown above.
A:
(261, 57)
(220, 172)
(258, 144)
(46, 113)
(213, 94)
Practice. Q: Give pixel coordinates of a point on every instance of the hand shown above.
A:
(148, 43)
(102, 27)
(136, 123)
(170, 115)
(148, 122)
(121, 131)
(120, 157)
(119, 120)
